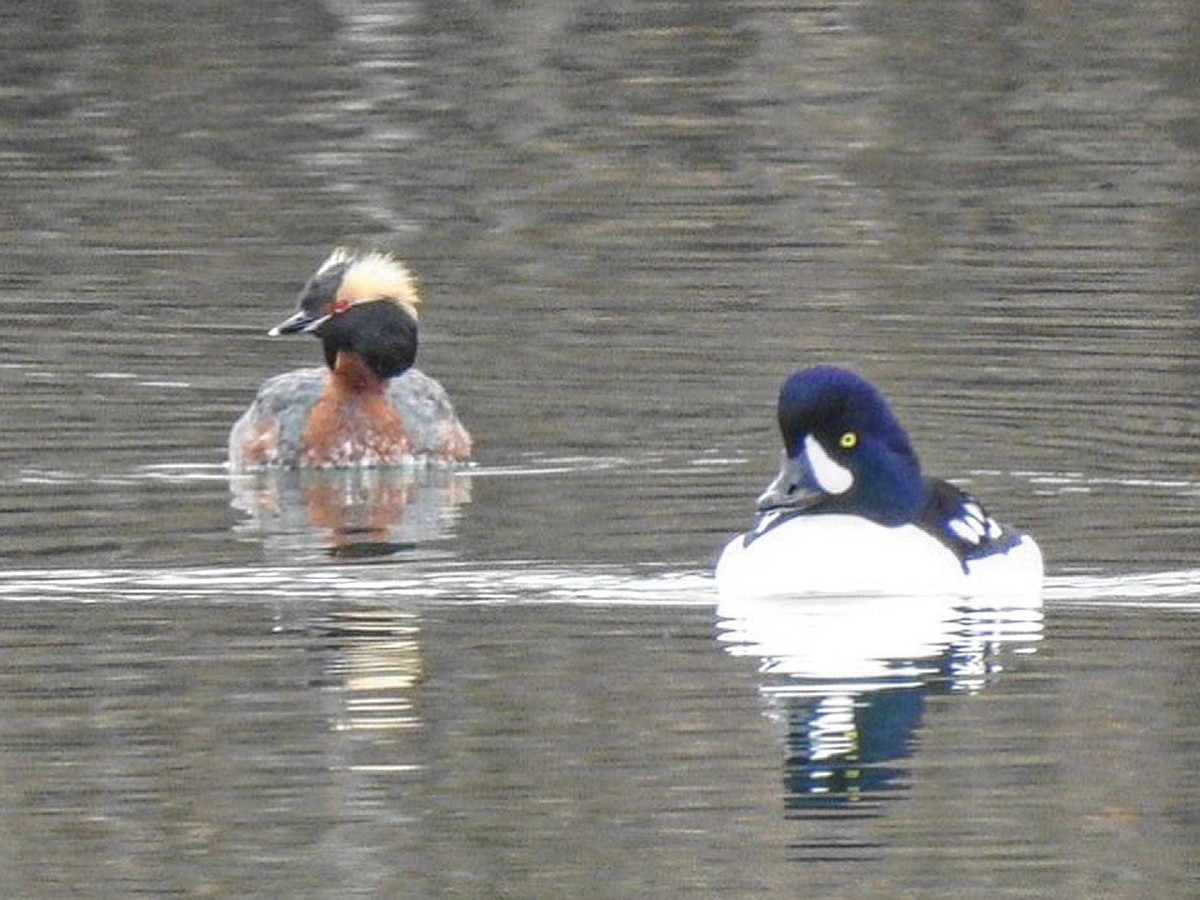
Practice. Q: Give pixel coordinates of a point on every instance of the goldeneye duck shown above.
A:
(371, 407)
(850, 511)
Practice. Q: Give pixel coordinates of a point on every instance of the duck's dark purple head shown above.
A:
(844, 451)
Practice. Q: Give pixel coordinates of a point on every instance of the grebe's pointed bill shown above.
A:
(300, 322)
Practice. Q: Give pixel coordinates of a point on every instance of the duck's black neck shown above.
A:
(379, 332)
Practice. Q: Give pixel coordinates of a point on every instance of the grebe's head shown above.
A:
(360, 303)
(346, 280)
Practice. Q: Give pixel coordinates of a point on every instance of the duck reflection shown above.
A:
(839, 747)
(848, 678)
(349, 513)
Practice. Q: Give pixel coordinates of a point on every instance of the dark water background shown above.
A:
(631, 220)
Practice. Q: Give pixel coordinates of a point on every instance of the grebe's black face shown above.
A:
(378, 332)
(316, 301)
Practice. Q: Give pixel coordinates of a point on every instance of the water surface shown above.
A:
(630, 221)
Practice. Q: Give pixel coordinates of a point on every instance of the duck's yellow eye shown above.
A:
(848, 441)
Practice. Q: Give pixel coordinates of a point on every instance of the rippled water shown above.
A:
(630, 220)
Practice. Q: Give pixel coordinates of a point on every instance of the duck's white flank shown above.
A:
(845, 554)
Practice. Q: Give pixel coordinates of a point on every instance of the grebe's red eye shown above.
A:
(340, 306)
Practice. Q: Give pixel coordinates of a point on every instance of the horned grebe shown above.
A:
(371, 407)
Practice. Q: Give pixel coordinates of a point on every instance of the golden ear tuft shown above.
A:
(376, 276)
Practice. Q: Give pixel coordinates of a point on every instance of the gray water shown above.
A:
(631, 220)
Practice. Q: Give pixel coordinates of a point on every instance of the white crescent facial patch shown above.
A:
(831, 476)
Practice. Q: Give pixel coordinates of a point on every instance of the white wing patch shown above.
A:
(831, 476)
(965, 530)
(972, 525)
